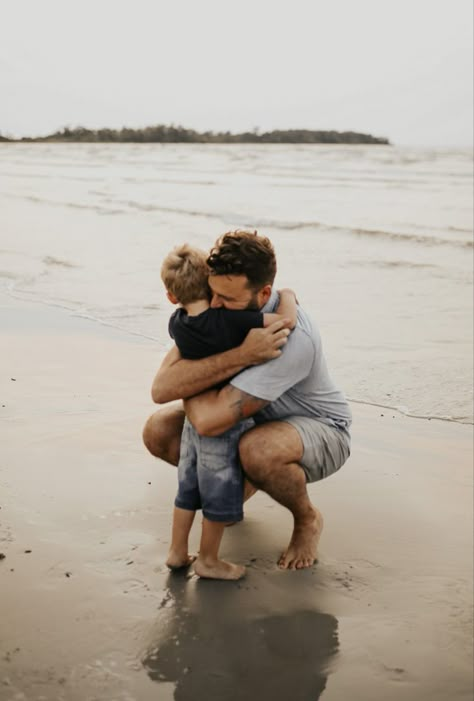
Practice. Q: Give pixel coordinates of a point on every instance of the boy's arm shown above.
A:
(215, 411)
(178, 378)
(287, 309)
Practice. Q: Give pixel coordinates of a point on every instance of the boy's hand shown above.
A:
(288, 290)
(261, 345)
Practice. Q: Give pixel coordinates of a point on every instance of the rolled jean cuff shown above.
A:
(223, 518)
(187, 505)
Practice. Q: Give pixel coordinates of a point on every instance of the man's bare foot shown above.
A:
(178, 561)
(218, 569)
(302, 549)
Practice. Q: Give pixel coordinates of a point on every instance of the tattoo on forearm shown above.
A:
(244, 405)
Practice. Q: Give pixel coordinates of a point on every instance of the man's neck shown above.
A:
(196, 308)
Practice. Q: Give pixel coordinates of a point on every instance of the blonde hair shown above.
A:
(184, 272)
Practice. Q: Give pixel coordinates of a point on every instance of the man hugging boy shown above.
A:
(209, 473)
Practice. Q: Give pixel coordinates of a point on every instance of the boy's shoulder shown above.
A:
(216, 313)
(215, 318)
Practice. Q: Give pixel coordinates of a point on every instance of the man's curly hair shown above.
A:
(244, 253)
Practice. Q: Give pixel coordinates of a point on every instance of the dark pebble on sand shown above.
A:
(27, 552)
(381, 414)
(130, 562)
(67, 574)
(2, 556)
(149, 482)
(13, 379)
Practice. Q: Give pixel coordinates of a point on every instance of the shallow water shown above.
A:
(377, 242)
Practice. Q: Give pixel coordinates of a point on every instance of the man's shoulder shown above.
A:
(306, 326)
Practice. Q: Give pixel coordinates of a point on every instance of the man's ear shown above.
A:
(265, 294)
(171, 297)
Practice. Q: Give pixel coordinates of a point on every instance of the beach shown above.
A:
(377, 243)
(89, 611)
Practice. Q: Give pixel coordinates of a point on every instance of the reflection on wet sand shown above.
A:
(211, 647)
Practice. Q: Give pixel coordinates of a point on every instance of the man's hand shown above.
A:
(179, 379)
(261, 345)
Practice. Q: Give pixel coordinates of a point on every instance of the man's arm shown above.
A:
(178, 378)
(213, 412)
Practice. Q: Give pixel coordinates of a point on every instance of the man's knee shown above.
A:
(150, 438)
(267, 446)
(162, 434)
(256, 456)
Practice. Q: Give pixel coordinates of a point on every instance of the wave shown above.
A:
(78, 178)
(256, 223)
(415, 238)
(294, 226)
(46, 176)
(51, 260)
(163, 346)
(407, 412)
(397, 264)
(11, 291)
(166, 181)
(358, 231)
(100, 209)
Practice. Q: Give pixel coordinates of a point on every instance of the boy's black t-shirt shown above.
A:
(213, 331)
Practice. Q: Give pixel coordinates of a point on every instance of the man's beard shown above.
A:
(253, 305)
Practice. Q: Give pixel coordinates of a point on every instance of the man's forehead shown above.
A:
(235, 283)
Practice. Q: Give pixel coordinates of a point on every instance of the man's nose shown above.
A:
(216, 302)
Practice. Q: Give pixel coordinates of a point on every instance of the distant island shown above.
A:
(161, 134)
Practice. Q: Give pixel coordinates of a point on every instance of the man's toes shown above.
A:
(285, 564)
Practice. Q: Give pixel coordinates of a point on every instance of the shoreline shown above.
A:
(92, 612)
(140, 336)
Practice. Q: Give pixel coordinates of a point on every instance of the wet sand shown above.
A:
(89, 612)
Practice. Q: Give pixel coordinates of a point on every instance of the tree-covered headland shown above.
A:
(176, 134)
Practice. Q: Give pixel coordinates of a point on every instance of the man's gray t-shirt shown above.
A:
(297, 383)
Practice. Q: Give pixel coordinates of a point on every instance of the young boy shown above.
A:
(209, 474)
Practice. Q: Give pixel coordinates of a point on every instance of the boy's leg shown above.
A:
(187, 500)
(162, 437)
(178, 555)
(221, 488)
(208, 564)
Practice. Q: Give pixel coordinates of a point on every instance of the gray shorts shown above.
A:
(325, 448)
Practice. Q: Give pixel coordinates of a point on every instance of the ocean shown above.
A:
(377, 242)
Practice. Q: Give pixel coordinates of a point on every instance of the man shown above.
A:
(301, 419)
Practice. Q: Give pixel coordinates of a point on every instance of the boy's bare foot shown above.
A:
(302, 549)
(218, 569)
(177, 561)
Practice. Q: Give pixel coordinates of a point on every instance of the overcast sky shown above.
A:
(395, 68)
